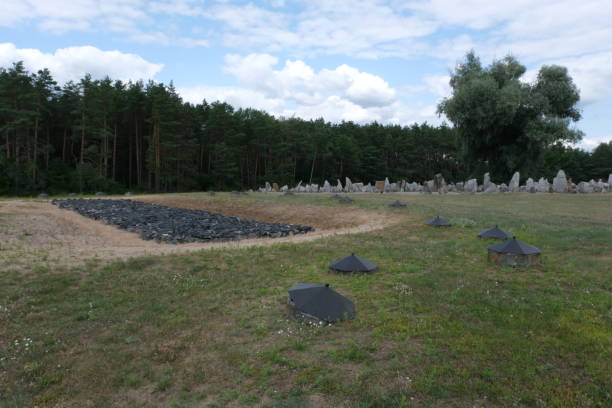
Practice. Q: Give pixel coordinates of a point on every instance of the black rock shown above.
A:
(175, 225)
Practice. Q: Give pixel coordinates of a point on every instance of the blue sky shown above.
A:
(359, 60)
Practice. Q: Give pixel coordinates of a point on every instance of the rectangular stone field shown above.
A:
(176, 225)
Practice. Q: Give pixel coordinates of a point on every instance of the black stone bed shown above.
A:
(176, 225)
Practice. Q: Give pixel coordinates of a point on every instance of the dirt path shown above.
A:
(38, 233)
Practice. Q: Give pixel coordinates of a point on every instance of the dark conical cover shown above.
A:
(397, 203)
(514, 246)
(321, 302)
(353, 263)
(438, 222)
(495, 232)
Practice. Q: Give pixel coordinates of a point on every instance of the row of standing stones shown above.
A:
(560, 184)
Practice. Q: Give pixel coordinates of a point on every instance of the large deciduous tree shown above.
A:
(504, 123)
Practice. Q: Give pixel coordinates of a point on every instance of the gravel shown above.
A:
(176, 225)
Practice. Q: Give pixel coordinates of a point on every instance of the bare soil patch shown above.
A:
(36, 233)
(322, 218)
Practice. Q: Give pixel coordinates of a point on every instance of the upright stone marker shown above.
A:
(514, 183)
(440, 184)
(560, 182)
(542, 186)
(379, 186)
(471, 186)
(486, 181)
(348, 185)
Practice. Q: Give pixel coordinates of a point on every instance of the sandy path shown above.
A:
(38, 233)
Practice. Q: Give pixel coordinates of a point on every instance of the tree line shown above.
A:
(108, 135)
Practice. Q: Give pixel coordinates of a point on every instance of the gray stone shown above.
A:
(326, 187)
(348, 185)
(460, 187)
(43, 195)
(430, 186)
(339, 187)
(542, 186)
(128, 193)
(471, 186)
(387, 186)
(532, 190)
(284, 188)
(529, 184)
(268, 187)
(440, 184)
(514, 182)
(368, 188)
(584, 188)
(358, 187)
(503, 188)
(486, 181)
(491, 188)
(610, 180)
(560, 183)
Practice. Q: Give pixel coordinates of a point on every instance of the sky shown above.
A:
(353, 60)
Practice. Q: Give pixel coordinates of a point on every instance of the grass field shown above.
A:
(435, 326)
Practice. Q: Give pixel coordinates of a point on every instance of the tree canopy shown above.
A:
(106, 135)
(505, 124)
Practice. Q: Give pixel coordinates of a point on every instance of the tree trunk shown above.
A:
(64, 144)
(8, 146)
(156, 132)
(47, 149)
(82, 160)
(115, 152)
(313, 166)
(35, 155)
(138, 173)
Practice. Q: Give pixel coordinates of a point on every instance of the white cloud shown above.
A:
(12, 12)
(135, 20)
(73, 63)
(235, 96)
(298, 82)
(592, 74)
(296, 89)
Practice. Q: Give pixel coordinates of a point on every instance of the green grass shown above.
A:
(435, 326)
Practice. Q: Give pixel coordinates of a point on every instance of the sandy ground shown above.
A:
(39, 233)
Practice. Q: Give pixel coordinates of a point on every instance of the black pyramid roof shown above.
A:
(495, 232)
(514, 246)
(321, 302)
(397, 203)
(438, 222)
(352, 263)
